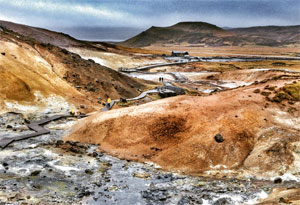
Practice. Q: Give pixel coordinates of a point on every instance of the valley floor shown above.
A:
(232, 139)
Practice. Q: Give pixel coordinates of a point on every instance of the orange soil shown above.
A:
(24, 72)
(28, 67)
(178, 133)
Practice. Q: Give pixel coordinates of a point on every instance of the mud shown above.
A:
(46, 170)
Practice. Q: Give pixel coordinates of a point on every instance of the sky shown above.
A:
(60, 14)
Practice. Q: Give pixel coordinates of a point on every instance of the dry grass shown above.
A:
(142, 51)
(291, 65)
(228, 50)
(271, 64)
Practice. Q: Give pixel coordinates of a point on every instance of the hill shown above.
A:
(189, 32)
(270, 35)
(233, 129)
(209, 35)
(39, 75)
(43, 35)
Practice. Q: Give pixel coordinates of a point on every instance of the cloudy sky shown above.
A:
(57, 14)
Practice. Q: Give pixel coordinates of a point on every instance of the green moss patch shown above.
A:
(288, 92)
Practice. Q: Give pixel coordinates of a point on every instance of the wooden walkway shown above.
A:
(35, 126)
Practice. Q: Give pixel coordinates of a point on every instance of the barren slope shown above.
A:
(179, 133)
(188, 32)
(42, 35)
(203, 34)
(33, 73)
(270, 35)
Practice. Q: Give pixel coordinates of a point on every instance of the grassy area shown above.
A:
(290, 92)
(198, 50)
(142, 51)
(225, 66)
(293, 90)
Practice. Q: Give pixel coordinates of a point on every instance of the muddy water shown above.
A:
(46, 170)
(134, 183)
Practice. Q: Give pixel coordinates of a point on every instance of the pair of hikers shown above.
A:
(161, 79)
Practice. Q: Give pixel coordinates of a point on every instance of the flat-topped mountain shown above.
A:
(190, 32)
(205, 34)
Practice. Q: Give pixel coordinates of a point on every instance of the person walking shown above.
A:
(108, 101)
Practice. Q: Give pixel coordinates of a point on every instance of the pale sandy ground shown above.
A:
(29, 83)
(113, 60)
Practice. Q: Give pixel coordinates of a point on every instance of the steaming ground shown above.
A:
(234, 138)
(178, 133)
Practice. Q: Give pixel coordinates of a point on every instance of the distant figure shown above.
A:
(162, 79)
(159, 79)
(72, 112)
(108, 101)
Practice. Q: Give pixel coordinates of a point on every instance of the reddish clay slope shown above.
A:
(178, 133)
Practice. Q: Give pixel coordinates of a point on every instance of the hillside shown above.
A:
(227, 130)
(41, 75)
(270, 35)
(189, 32)
(204, 34)
(43, 35)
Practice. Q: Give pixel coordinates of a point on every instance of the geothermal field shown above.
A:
(216, 121)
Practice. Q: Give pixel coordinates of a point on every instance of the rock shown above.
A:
(75, 149)
(142, 175)
(88, 171)
(266, 93)
(72, 143)
(223, 201)
(219, 138)
(155, 195)
(185, 200)
(83, 107)
(283, 200)
(277, 180)
(91, 60)
(4, 164)
(92, 89)
(123, 100)
(59, 142)
(9, 127)
(95, 154)
(35, 173)
(256, 91)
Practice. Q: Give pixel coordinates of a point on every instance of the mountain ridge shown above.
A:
(206, 34)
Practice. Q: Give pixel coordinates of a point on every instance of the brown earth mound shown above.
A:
(190, 134)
